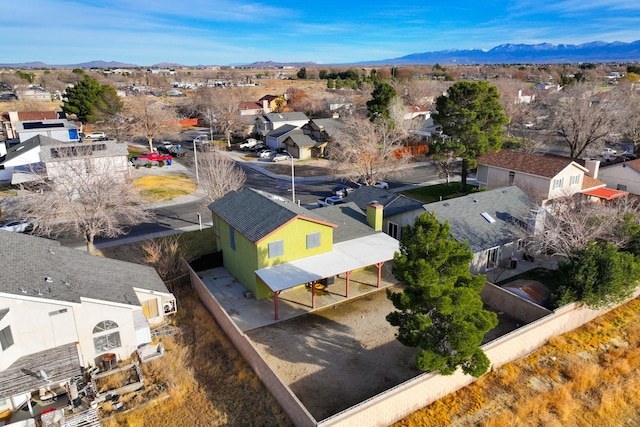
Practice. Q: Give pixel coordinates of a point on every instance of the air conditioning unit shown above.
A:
(169, 307)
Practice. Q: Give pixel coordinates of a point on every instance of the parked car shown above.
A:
(608, 152)
(342, 190)
(265, 154)
(258, 147)
(153, 157)
(96, 135)
(380, 184)
(330, 201)
(276, 157)
(19, 225)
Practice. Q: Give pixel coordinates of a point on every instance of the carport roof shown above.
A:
(346, 256)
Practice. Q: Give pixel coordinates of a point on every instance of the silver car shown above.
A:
(19, 225)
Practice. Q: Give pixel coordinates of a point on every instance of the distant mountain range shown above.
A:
(543, 53)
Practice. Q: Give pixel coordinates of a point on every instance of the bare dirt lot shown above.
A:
(339, 356)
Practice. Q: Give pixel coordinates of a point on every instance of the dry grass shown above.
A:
(159, 188)
(586, 377)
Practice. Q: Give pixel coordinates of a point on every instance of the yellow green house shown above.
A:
(270, 244)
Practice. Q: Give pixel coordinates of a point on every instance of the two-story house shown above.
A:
(269, 122)
(62, 310)
(542, 176)
(270, 244)
(312, 139)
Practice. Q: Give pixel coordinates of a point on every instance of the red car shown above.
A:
(152, 157)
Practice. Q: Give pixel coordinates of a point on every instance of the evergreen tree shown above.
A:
(83, 98)
(471, 115)
(599, 276)
(440, 310)
(381, 97)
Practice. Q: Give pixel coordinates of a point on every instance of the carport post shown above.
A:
(379, 265)
(313, 295)
(276, 294)
(348, 277)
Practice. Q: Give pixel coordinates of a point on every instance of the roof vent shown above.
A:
(488, 217)
(48, 279)
(23, 290)
(37, 291)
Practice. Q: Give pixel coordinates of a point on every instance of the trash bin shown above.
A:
(514, 263)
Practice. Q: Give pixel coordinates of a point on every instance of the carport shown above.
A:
(374, 249)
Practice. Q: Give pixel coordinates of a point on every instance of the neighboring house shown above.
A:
(272, 102)
(398, 210)
(60, 129)
(43, 152)
(254, 108)
(413, 111)
(62, 310)
(542, 176)
(269, 122)
(339, 103)
(492, 222)
(426, 129)
(270, 244)
(525, 97)
(11, 118)
(33, 92)
(623, 176)
(312, 139)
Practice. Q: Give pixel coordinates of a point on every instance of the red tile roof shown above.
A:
(535, 164)
(606, 193)
(249, 106)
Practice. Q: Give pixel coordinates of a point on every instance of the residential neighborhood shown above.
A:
(288, 213)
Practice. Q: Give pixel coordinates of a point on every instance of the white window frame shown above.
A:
(106, 336)
(558, 183)
(276, 248)
(6, 338)
(574, 180)
(493, 257)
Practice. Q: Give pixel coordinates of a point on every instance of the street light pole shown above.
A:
(195, 157)
(293, 181)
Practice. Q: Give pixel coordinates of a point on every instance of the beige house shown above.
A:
(624, 176)
(542, 176)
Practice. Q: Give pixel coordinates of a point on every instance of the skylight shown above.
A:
(488, 217)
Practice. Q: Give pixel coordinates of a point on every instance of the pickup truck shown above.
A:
(153, 157)
(248, 144)
(330, 201)
(170, 148)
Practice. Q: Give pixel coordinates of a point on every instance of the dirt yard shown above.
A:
(347, 352)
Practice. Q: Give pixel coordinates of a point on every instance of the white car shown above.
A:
(382, 184)
(96, 135)
(19, 225)
(265, 154)
(608, 152)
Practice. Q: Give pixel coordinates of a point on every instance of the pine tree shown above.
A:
(440, 310)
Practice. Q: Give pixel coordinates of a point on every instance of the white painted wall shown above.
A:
(621, 174)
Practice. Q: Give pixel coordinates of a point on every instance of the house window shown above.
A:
(393, 230)
(276, 249)
(56, 312)
(574, 180)
(313, 240)
(492, 258)
(558, 183)
(621, 187)
(522, 244)
(6, 339)
(105, 336)
(512, 177)
(232, 238)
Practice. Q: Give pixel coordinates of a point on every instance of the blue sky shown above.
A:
(224, 32)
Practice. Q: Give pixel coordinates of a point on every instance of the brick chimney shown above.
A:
(374, 215)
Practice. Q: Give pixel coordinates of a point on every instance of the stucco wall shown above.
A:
(620, 174)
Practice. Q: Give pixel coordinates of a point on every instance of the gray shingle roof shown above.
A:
(351, 221)
(467, 224)
(28, 260)
(330, 126)
(23, 147)
(394, 204)
(255, 214)
(282, 130)
(301, 140)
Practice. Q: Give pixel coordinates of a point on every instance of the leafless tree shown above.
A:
(151, 118)
(629, 113)
(367, 151)
(583, 118)
(83, 201)
(219, 107)
(218, 175)
(517, 112)
(570, 223)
